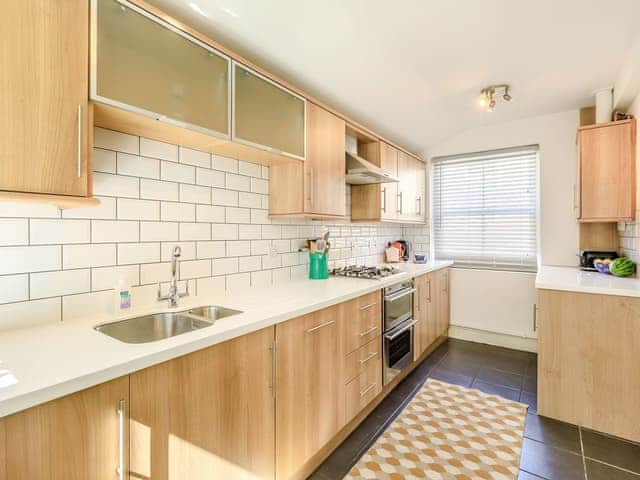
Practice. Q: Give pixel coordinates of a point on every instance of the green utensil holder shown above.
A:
(318, 266)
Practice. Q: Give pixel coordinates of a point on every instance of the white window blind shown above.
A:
(485, 208)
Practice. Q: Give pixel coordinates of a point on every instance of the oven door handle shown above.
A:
(393, 298)
(391, 336)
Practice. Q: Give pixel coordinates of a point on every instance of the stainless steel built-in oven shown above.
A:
(398, 320)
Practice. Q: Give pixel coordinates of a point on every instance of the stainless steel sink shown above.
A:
(213, 312)
(157, 326)
(151, 328)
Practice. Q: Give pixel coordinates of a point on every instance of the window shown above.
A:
(485, 209)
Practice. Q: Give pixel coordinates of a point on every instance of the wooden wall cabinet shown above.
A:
(206, 415)
(607, 172)
(314, 187)
(402, 201)
(309, 407)
(46, 128)
(76, 437)
(588, 361)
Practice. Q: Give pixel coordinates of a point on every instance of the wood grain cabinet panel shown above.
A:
(206, 415)
(309, 408)
(357, 361)
(607, 171)
(425, 313)
(362, 321)
(76, 437)
(363, 389)
(442, 301)
(45, 122)
(588, 361)
(389, 191)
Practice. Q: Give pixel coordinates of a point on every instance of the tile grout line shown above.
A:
(584, 462)
(637, 474)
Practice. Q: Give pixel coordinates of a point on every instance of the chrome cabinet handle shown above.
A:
(393, 298)
(273, 369)
(121, 460)
(79, 146)
(326, 324)
(393, 336)
(445, 286)
(399, 203)
(417, 304)
(429, 290)
(367, 332)
(368, 389)
(535, 317)
(384, 199)
(419, 207)
(368, 306)
(310, 183)
(370, 357)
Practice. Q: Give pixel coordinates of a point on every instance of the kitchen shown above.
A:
(221, 258)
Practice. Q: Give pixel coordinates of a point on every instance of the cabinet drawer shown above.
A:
(362, 389)
(356, 362)
(362, 321)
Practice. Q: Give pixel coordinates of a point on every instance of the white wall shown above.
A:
(503, 302)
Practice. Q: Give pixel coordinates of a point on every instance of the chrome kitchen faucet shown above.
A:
(173, 294)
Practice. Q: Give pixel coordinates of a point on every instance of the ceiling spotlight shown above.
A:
(487, 100)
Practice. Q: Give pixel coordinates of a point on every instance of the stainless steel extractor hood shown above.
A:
(362, 172)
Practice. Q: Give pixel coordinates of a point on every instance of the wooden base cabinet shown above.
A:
(206, 415)
(309, 410)
(77, 437)
(588, 361)
(425, 313)
(442, 301)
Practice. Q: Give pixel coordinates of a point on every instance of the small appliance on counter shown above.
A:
(404, 249)
(587, 257)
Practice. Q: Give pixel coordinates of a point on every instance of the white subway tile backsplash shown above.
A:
(250, 264)
(131, 209)
(271, 231)
(83, 256)
(238, 248)
(137, 166)
(261, 278)
(188, 250)
(238, 182)
(105, 211)
(238, 215)
(103, 161)
(115, 185)
(259, 186)
(195, 269)
(158, 190)
(129, 253)
(33, 210)
(238, 282)
(14, 288)
(226, 198)
(224, 231)
(211, 249)
(158, 232)
(195, 231)
(224, 266)
(260, 247)
(194, 157)
(210, 178)
(30, 259)
(250, 169)
(271, 261)
(112, 140)
(210, 213)
(14, 231)
(211, 285)
(111, 277)
(195, 194)
(112, 231)
(86, 305)
(249, 232)
(260, 217)
(177, 172)
(29, 314)
(249, 200)
(177, 212)
(155, 272)
(156, 149)
(281, 275)
(225, 164)
(62, 282)
(50, 231)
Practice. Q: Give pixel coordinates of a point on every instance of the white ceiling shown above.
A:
(412, 69)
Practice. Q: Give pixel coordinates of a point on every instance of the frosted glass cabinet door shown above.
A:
(145, 64)
(267, 115)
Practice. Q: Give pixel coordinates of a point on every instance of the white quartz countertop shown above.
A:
(43, 363)
(572, 279)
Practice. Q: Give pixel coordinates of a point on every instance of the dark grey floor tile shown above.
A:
(600, 471)
(504, 392)
(499, 377)
(462, 365)
(530, 384)
(553, 432)
(448, 376)
(318, 475)
(530, 399)
(611, 450)
(527, 476)
(549, 462)
(507, 363)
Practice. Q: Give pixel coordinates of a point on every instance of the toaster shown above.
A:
(588, 256)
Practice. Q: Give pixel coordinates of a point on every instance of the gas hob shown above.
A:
(359, 271)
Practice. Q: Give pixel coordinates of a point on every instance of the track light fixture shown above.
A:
(487, 99)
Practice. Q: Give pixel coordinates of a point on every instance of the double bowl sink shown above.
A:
(158, 326)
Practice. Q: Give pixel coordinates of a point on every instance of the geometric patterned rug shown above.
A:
(448, 432)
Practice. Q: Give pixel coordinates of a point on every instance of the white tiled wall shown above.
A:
(630, 239)
(59, 265)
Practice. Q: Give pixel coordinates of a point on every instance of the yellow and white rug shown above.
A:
(448, 432)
